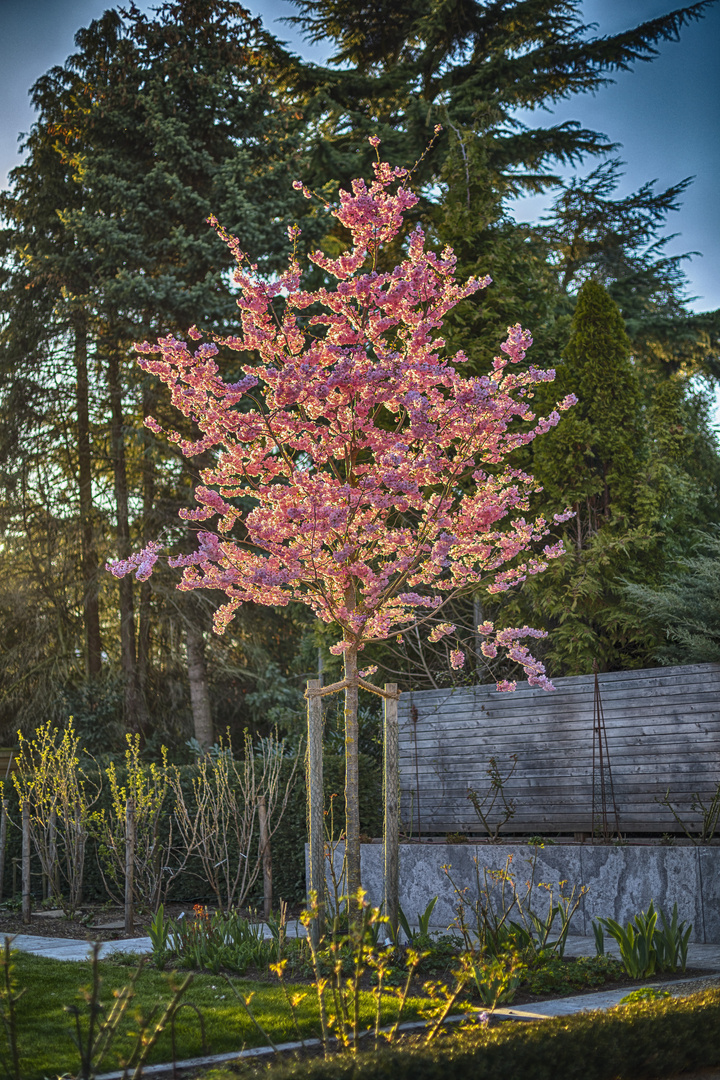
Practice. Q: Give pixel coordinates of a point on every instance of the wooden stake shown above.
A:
(26, 901)
(129, 865)
(391, 778)
(3, 844)
(316, 807)
(52, 889)
(266, 857)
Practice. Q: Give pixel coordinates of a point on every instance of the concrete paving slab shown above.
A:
(141, 945)
(74, 948)
(78, 949)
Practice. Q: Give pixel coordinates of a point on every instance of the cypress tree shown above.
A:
(640, 478)
(591, 460)
(592, 463)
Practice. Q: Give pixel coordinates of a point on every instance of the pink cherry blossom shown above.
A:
(354, 468)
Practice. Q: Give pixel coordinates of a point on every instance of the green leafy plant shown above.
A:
(340, 961)
(60, 796)
(159, 934)
(158, 860)
(221, 827)
(644, 947)
(339, 1011)
(497, 897)
(553, 975)
(645, 993)
(423, 921)
(635, 943)
(497, 978)
(210, 942)
(671, 942)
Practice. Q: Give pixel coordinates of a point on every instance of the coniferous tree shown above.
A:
(619, 242)
(404, 66)
(591, 461)
(471, 65)
(156, 122)
(685, 606)
(639, 478)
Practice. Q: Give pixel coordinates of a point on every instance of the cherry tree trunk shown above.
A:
(352, 781)
(199, 692)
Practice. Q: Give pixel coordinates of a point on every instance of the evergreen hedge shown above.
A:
(647, 1039)
(287, 846)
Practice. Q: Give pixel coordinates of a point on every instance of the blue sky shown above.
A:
(665, 114)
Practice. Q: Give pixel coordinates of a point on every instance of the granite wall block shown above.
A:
(620, 881)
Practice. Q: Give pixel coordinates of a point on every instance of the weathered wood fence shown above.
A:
(663, 733)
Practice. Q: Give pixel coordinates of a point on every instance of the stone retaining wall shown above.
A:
(621, 881)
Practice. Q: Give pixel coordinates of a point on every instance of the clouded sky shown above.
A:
(665, 114)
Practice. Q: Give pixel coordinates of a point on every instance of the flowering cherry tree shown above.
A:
(376, 471)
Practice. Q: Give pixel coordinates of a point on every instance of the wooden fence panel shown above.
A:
(663, 733)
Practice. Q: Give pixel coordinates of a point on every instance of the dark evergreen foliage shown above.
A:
(154, 123)
(686, 606)
(160, 119)
(639, 477)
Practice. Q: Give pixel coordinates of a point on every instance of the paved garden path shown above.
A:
(77, 949)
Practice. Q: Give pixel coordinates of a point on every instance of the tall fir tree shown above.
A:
(400, 68)
(156, 122)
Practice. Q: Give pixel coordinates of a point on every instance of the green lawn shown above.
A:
(47, 1049)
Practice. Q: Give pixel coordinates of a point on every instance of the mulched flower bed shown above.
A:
(90, 923)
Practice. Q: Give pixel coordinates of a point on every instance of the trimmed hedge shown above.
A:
(648, 1039)
(287, 846)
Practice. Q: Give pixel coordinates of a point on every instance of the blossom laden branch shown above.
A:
(368, 460)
